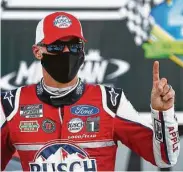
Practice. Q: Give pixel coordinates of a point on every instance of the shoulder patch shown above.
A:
(8, 101)
(113, 96)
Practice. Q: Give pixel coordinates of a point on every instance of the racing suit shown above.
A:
(79, 131)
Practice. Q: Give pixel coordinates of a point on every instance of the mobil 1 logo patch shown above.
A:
(31, 111)
(75, 125)
(92, 124)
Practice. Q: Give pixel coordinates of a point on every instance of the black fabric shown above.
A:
(8, 101)
(113, 96)
(63, 67)
(56, 101)
(135, 162)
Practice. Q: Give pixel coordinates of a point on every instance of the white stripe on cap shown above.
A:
(39, 32)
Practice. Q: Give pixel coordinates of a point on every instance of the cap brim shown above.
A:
(53, 39)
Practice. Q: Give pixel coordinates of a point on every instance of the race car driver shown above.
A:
(64, 124)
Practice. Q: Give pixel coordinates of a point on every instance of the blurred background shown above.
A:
(124, 38)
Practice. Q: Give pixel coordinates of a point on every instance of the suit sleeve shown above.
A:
(8, 107)
(156, 141)
(7, 149)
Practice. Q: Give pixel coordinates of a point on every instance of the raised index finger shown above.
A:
(155, 71)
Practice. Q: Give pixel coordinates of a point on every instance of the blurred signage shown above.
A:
(160, 34)
(166, 36)
(116, 32)
(89, 72)
(158, 29)
(84, 10)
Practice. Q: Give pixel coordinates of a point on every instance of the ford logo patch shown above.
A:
(84, 110)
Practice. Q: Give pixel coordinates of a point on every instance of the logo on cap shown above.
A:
(62, 22)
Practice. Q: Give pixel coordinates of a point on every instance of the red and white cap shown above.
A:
(58, 25)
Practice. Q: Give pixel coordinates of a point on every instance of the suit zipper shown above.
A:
(60, 114)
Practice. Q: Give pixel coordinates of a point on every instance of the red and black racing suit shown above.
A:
(79, 131)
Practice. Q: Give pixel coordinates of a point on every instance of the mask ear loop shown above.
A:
(41, 51)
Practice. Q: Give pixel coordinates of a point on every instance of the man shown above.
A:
(63, 124)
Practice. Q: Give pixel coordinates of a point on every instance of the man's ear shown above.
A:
(37, 52)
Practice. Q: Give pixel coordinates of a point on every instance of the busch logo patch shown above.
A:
(32, 111)
(62, 22)
(62, 156)
(75, 125)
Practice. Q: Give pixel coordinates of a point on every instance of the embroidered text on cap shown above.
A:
(62, 22)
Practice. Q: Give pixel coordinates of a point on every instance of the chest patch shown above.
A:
(62, 156)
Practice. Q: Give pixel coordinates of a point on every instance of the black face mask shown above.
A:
(63, 67)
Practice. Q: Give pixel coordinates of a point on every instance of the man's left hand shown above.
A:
(162, 95)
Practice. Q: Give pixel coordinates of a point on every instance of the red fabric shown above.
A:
(28, 97)
(7, 149)
(52, 32)
(135, 136)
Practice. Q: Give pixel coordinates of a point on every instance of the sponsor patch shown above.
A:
(114, 96)
(29, 126)
(84, 110)
(158, 130)
(62, 22)
(75, 125)
(80, 88)
(62, 156)
(82, 136)
(48, 126)
(9, 96)
(39, 89)
(174, 136)
(32, 111)
(92, 124)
